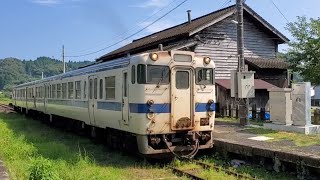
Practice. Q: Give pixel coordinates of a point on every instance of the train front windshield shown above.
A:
(153, 74)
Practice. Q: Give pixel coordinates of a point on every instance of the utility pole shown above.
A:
(64, 64)
(243, 103)
(240, 46)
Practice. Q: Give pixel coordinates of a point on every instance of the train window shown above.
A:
(53, 91)
(125, 84)
(101, 89)
(110, 87)
(64, 90)
(78, 89)
(133, 74)
(90, 88)
(70, 90)
(182, 80)
(141, 74)
(48, 91)
(158, 74)
(95, 88)
(42, 92)
(204, 76)
(85, 90)
(58, 91)
(36, 92)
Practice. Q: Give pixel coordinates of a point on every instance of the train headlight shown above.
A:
(206, 60)
(154, 56)
(150, 102)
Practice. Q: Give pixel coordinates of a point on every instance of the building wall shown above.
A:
(220, 43)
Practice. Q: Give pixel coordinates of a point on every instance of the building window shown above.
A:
(70, 90)
(78, 89)
(133, 74)
(101, 89)
(64, 90)
(110, 87)
(53, 91)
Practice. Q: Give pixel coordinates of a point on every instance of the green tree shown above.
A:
(304, 51)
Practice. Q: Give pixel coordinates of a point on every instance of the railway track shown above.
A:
(6, 108)
(194, 172)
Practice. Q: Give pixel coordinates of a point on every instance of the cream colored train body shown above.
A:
(165, 100)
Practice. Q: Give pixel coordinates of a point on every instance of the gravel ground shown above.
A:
(3, 172)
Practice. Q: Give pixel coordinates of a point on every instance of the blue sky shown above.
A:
(33, 28)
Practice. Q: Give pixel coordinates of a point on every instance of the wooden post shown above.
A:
(254, 111)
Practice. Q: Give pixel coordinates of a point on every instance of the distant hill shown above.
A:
(15, 71)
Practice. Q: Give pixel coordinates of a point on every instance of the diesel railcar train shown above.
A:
(159, 103)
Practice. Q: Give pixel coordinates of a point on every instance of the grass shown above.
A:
(31, 149)
(215, 160)
(5, 100)
(297, 138)
(235, 120)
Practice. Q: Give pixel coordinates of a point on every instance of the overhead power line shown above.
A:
(128, 37)
(280, 11)
(132, 28)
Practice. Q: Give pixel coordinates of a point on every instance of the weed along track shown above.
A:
(196, 171)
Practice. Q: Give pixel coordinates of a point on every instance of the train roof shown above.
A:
(117, 63)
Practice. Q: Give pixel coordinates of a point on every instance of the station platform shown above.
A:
(232, 138)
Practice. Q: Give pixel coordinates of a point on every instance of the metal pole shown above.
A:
(243, 106)
(64, 64)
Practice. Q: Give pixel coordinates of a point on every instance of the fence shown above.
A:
(233, 111)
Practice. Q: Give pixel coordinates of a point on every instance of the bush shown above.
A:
(42, 169)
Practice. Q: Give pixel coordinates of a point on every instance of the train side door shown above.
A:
(93, 83)
(182, 99)
(125, 93)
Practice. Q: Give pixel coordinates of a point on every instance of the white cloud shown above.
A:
(158, 26)
(46, 2)
(154, 3)
(54, 2)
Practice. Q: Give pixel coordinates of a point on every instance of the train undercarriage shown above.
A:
(183, 144)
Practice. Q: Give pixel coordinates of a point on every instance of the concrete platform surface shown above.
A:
(233, 138)
(3, 172)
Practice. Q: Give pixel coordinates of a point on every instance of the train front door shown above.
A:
(92, 102)
(125, 93)
(182, 99)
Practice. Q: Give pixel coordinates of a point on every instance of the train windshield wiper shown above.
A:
(162, 77)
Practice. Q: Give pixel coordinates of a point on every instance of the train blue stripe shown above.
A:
(111, 106)
(204, 107)
(145, 108)
(133, 107)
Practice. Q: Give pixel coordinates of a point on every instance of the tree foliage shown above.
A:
(14, 71)
(304, 51)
